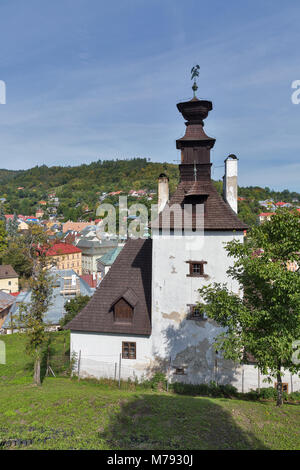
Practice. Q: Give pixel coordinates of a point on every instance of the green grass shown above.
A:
(67, 414)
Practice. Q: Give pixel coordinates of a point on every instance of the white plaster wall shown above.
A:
(187, 343)
(100, 352)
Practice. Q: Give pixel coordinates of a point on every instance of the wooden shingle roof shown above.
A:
(129, 276)
(218, 214)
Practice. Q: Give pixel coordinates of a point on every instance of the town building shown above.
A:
(143, 317)
(9, 279)
(6, 301)
(67, 285)
(65, 256)
(105, 262)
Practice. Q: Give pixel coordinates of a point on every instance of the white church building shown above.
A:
(143, 316)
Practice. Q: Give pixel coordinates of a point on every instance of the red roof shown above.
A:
(266, 214)
(280, 203)
(88, 278)
(62, 249)
(15, 294)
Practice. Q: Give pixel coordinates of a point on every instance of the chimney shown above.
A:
(230, 182)
(163, 191)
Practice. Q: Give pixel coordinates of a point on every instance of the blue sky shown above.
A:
(92, 79)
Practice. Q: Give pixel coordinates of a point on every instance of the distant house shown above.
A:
(92, 279)
(39, 213)
(76, 226)
(104, 263)
(67, 285)
(66, 257)
(265, 216)
(92, 249)
(6, 301)
(9, 279)
(23, 226)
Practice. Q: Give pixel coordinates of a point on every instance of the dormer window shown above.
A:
(196, 269)
(123, 312)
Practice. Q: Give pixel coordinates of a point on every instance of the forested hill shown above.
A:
(80, 186)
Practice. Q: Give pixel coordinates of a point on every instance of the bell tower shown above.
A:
(195, 145)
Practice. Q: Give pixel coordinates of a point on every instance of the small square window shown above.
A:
(179, 371)
(128, 350)
(196, 268)
(196, 313)
(285, 386)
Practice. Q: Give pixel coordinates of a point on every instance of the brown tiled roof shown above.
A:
(218, 214)
(7, 272)
(129, 277)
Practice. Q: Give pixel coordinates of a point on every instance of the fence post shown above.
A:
(116, 365)
(120, 371)
(243, 378)
(258, 379)
(168, 373)
(79, 359)
(292, 383)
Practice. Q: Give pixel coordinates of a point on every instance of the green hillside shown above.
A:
(81, 186)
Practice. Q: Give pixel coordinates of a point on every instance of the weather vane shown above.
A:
(194, 74)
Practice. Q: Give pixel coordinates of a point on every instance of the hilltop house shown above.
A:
(144, 312)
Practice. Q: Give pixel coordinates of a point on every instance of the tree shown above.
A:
(3, 240)
(41, 285)
(265, 322)
(12, 228)
(73, 307)
(16, 254)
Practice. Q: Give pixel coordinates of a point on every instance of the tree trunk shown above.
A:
(37, 371)
(279, 389)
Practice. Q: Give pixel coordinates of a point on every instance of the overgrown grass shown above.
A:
(67, 414)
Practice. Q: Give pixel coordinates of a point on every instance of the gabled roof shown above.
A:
(218, 214)
(129, 276)
(7, 272)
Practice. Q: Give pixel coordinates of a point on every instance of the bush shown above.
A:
(208, 390)
(267, 393)
(294, 396)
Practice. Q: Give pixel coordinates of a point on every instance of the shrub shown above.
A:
(208, 390)
(294, 396)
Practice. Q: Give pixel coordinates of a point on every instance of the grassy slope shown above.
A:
(65, 414)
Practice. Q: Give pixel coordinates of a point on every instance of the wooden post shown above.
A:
(79, 359)
(47, 370)
(169, 368)
(258, 379)
(120, 371)
(116, 365)
(292, 383)
(243, 378)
